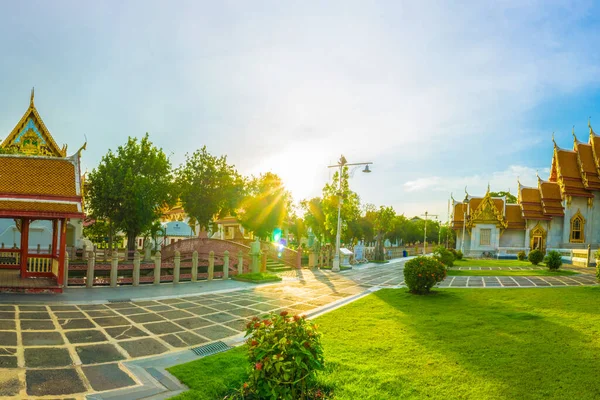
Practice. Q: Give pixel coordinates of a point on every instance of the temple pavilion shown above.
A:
(562, 212)
(40, 196)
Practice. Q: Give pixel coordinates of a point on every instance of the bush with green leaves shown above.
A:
(521, 255)
(553, 260)
(458, 255)
(444, 256)
(284, 353)
(422, 273)
(597, 254)
(535, 256)
(598, 271)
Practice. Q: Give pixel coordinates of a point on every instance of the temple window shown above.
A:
(577, 224)
(484, 237)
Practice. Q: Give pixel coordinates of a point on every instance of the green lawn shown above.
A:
(257, 277)
(506, 272)
(466, 344)
(476, 262)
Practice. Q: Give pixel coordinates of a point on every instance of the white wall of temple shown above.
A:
(494, 242)
(555, 233)
(595, 222)
(40, 233)
(512, 238)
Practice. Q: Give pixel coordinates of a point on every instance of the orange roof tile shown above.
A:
(38, 209)
(588, 165)
(41, 176)
(570, 174)
(531, 204)
(514, 217)
(458, 215)
(551, 198)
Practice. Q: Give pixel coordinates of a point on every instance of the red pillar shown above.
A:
(54, 238)
(61, 251)
(24, 245)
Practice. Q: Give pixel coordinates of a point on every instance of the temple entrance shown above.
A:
(538, 239)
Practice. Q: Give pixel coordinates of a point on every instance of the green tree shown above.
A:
(266, 205)
(208, 187)
(129, 186)
(334, 191)
(384, 223)
(314, 217)
(98, 231)
(510, 199)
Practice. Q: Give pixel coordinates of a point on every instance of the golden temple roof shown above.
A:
(31, 137)
(531, 203)
(514, 217)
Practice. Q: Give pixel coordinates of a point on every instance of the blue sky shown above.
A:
(438, 95)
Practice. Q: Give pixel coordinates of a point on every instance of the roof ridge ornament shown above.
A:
(554, 142)
(32, 97)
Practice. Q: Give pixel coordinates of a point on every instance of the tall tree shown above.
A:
(129, 186)
(335, 191)
(314, 217)
(266, 206)
(384, 223)
(208, 186)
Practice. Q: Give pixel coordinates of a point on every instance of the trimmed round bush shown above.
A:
(284, 353)
(422, 273)
(521, 255)
(459, 255)
(444, 256)
(553, 260)
(535, 256)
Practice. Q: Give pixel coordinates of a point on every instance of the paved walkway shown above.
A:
(70, 350)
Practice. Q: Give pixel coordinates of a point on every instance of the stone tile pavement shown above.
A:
(70, 350)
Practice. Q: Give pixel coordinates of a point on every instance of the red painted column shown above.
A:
(24, 245)
(61, 251)
(54, 238)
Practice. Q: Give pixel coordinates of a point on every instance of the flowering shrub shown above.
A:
(521, 255)
(535, 256)
(444, 256)
(284, 354)
(553, 260)
(422, 273)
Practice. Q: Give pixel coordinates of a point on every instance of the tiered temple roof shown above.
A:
(574, 173)
(37, 179)
(487, 209)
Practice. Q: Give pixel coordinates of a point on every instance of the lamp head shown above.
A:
(366, 170)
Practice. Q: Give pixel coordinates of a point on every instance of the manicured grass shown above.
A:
(258, 277)
(506, 272)
(475, 262)
(468, 344)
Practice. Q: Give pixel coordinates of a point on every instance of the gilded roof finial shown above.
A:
(32, 96)
(574, 137)
(554, 141)
(488, 189)
(466, 195)
(519, 183)
(452, 197)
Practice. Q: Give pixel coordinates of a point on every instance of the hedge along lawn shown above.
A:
(469, 344)
(506, 272)
(476, 262)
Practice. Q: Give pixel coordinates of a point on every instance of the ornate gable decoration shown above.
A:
(487, 212)
(31, 137)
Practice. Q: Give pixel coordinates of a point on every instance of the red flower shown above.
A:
(258, 366)
(254, 343)
(297, 318)
(256, 325)
(283, 313)
(307, 345)
(419, 275)
(245, 385)
(254, 319)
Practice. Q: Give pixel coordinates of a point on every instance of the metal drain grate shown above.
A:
(120, 301)
(210, 349)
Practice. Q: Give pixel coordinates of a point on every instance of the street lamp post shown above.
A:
(341, 164)
(425, 235)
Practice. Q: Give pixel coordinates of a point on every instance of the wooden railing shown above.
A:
(39, 263)
(10, 257)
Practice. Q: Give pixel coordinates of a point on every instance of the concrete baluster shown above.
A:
(66, 271)
(263, 263)
(195, 266)
(114, 268)
(91, 264)
(211, 265)
(299, 257)
(38, 248)
(177, 270)
(85, 252)
(240, 262)
(157, 261)
(136, 269)
(226, 265)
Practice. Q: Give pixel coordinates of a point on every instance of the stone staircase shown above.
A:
(275, 266)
